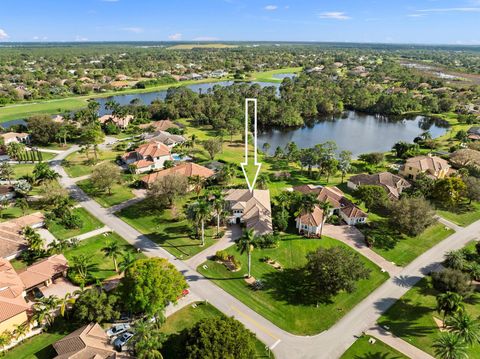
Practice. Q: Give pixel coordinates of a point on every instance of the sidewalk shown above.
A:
(233, 232)
(93, 233)
(397, 343)
(353, 238)
(448, 223)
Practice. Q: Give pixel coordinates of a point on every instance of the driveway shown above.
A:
(353, 238)
(59, 288)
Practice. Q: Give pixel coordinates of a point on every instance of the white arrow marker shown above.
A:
(251, 184)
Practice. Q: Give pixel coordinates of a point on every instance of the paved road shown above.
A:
(328, 344)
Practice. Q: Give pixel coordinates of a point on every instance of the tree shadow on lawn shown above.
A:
(377, 355)
(401, 319)
(291, 285)
(461, 208)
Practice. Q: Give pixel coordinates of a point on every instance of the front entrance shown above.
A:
(237, 220)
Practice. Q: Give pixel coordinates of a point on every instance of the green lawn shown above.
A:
(168, 228)
(187, 318)
(276, 302)
(40, 346)
(266, 76)
(120, 193)
(411, 318)
(464, 216)
(76, 164)
(89, 223)
(103, 267)
(363, 349)
(47, 156)
(408, 248)
(22, 169)
(12, 212)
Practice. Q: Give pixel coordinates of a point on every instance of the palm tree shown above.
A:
(474, 271)
(465, 327)
(65, 302)
(42, 172)
(43, 310)
(266, 148)
(307, 206)
(246, 243)
(228, 172)
(193, 139)
(128, 258)
(22, 203)
(82, 265)
(455, 259)
(5, 338)
(218, 205)
(15, 149)
(35, 242)
(112, 250)
(197, 182)
(21, 330)
(450, 346)
(326, 207)
(449, 303)
(203, 213)
(263, 180)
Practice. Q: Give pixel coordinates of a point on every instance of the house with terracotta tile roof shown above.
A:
(167, 138)
(311, 223)
(120, 122)
(13, 306)
(433, 166)
(393, 184)
(87, 342)
(150, 156)
(44, 272)
(9, 137)
(161, 125)
(12, 241)
(187, 169)
(250, 208)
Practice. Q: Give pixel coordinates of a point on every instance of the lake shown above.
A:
(353, 131)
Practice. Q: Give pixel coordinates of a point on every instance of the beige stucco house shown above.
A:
(433, 166)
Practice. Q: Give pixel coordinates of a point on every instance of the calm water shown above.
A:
(358, 133)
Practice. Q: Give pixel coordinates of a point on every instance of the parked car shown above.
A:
(118, 329)
(122, 340)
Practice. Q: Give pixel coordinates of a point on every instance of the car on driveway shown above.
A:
(118, 329)
(122, 340)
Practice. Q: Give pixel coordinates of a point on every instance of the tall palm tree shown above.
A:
(449, 303)
(218, 205)
(197, 182)
(450, 346)
(35, 242)
(82, 265)
(43, 310)
(63, 303)
(112, 250)
(246, 243)
(263, 180)
(326, 207)
(307, 206)
(203, 213)
(465, 327)
(128, 258)
(228, 172)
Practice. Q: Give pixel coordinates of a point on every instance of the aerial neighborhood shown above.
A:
(133, 225)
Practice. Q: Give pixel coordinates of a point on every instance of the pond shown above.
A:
(353, 131)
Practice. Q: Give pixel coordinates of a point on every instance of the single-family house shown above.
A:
(340, 205)
(13, 305)
(473, 133)
(250, 208)
(12, 241)
(87, 342)
(165, 137)
(120, 122)
(161, 125)
(393, 184)
(44, 272)
(433, 166)
(187, 169)
(150, 156)
(9, 137)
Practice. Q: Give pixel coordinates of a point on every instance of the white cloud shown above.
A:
(452, 9)
(3, 35)
(271, 7)
(336, 15)
(110, 0)
(206, 38)
(136, 30)
(40, 38)
(416, 15)
(175, 37)
(80, 38)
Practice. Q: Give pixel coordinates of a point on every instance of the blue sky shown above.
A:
(389, 21)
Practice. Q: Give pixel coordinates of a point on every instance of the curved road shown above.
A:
(328, 344)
